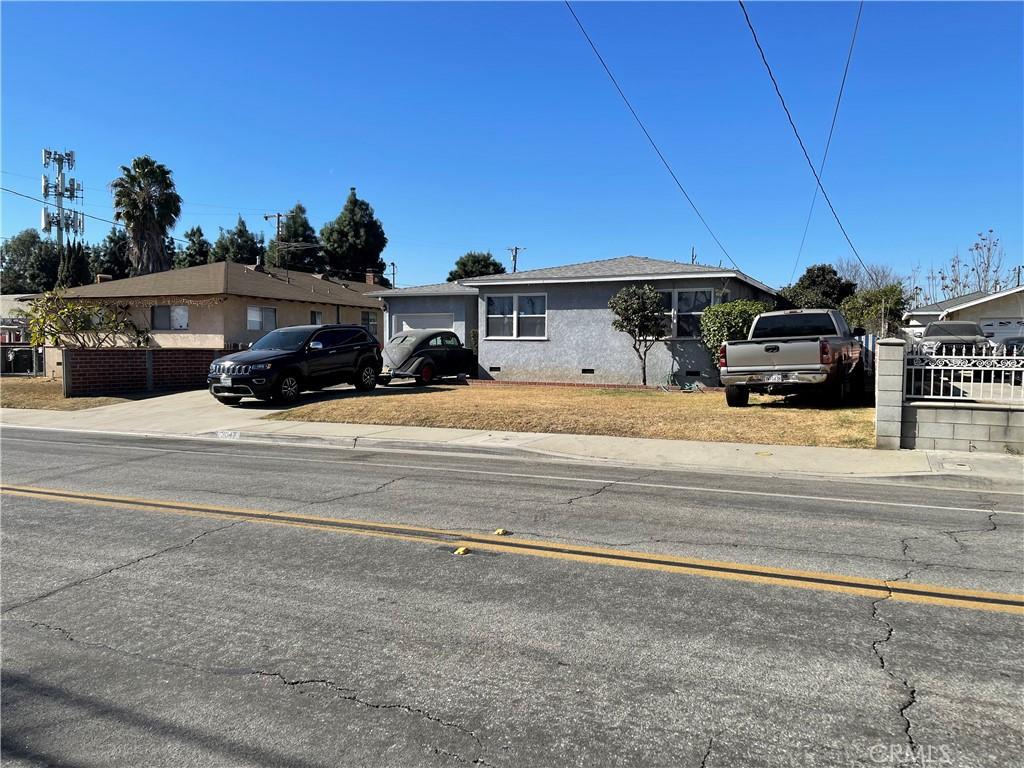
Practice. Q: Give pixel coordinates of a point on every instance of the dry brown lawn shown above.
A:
(43, 393)
(616, 412)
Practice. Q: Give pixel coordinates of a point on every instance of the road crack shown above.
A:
(608, 485)
(910, 692)
(349, 694)
(122, 566)
(344, 496)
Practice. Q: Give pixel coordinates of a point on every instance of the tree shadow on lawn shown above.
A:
(343, 392)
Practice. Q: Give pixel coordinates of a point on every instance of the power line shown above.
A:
(647, 133)
(187, 203)
(828, 142)
(86, 215)
(800, 141)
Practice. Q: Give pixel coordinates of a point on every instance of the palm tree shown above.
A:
(146, 202)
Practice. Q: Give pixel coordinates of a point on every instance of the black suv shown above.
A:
(289, 360)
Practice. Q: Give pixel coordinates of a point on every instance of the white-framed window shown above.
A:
(260, 318)
(690, 305)
(683, 308)
(316, 317)
(517, 316)
(169, 317)
(369, 321)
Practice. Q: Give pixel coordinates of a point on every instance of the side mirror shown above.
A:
(315, 345)
(858, 331)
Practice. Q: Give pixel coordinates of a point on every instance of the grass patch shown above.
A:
(615, 412)
(46, 394)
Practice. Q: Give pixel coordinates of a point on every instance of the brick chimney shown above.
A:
(104, 278)
(371, 277)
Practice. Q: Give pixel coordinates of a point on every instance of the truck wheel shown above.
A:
(737, 397)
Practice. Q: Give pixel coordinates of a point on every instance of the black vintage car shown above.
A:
(426, 355)
(289, 360)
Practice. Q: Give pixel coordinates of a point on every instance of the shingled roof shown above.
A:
(624, 267)
(229, 278)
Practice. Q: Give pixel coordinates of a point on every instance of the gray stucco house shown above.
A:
(554, 325)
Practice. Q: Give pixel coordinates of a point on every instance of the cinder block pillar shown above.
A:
(889, 371)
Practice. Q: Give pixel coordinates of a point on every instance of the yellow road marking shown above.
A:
(822, 581)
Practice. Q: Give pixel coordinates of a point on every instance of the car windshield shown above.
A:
(803, 324)
(284, 339)
(960, 330)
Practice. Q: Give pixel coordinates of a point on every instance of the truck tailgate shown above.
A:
(774, 355)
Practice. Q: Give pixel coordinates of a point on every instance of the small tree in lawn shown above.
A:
(638, 312)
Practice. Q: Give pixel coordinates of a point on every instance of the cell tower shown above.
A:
(62, 189)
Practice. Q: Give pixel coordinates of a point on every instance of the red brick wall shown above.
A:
(117, 370)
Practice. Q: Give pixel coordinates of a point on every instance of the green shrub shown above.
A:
(727, 322)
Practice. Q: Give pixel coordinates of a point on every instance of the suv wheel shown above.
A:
(288, 387)
(366, 377)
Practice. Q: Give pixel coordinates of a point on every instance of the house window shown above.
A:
(517, 317)
(532, 316)
(261, 318)
(500, 320)
(690, 305)
(666, 311)
(369, 321)
(315, 317)
(169, 317)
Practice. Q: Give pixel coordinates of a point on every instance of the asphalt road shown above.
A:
(323, 634)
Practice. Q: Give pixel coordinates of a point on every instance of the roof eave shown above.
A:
(483, 282)
(982, 300)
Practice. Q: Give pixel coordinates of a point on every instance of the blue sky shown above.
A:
(476, 126)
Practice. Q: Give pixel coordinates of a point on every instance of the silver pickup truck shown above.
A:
(795, 350)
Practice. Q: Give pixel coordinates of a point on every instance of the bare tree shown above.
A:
(868, 277)
(987, 268)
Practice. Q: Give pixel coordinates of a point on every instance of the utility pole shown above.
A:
(61, 190)
(277, 234)
(514, 250)
(693, 255)
(394, 275)
(1017, 271)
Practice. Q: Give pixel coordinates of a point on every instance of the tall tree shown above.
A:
(298, 246)
(196, 252)
(110, 256)
(146, 201)
(238, 244)
(819, 286)
(353, 242)
(28, 264)
(476, 264)
(74, 267)
(877, 310)
(638, 312)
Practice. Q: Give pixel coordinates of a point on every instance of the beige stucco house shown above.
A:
(1000, 314)
(228, 306)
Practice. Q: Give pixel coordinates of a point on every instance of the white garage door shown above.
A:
(437, 320)
(999, 328)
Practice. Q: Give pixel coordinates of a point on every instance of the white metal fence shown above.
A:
(982, 374)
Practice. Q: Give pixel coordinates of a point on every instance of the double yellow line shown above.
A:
(822, 581)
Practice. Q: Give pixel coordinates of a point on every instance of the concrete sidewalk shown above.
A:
(195, 414)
